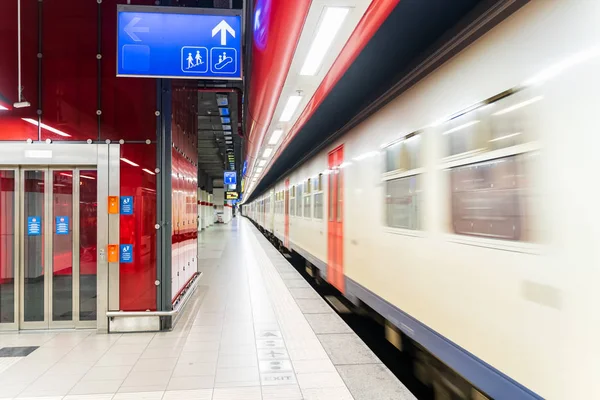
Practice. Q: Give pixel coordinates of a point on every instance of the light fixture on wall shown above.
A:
(275, 136)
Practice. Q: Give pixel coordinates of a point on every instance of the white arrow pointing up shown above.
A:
(224, 28)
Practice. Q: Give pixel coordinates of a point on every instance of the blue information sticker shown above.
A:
(62, 225)
(126, 253)
(126, 205)
(34, 226)
(230, 178)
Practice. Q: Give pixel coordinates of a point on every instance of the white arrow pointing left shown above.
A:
(223, 27)
(131, 29)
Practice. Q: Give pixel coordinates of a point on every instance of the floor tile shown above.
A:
(146, 378)
(245, 393)
(311, 380)
(347, 349)
(106, 373)
(96, 387)
(373, 381)
(338, 393)
(237, 376)
(286, 392)
(199, 394)
(327, 323)
(155, 364)
(314, 306)
(157, 395)
(191, 382)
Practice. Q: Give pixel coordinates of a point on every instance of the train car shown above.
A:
(465, 213)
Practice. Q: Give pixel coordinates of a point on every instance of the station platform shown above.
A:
(253, 330)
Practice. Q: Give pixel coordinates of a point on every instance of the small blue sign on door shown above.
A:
(126, 253)
(34, 226)
(126, 205)
(62, 225)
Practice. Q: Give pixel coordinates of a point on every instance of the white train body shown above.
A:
(484, 228)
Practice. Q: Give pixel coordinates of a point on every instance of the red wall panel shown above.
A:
(12, 126)
(69, 80)
(137, 289)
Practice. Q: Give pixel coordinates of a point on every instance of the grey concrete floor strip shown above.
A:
(373, 381)
(347, 348)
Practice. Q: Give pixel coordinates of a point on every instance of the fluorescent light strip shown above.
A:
(46, 127)
(519, 105)
(505, 137)
(259, 170)
(328, 29)
(290, 108)
(275, 136)
(262, 163)
(148, 171)
(458, 128)
(267, 152)
(129, 162)
(2, 108)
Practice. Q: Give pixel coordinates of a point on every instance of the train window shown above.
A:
(299, 202)
(403, 202)
(404, 155)
(307, 206)
(496, 125)
(488, 198)
(307, 187)
(293, 206)
(318, 206)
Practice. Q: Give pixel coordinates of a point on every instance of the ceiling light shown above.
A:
(224, 111)
(267, 152)
(225, 120)
(275, 136)
(148, 171)
(46, 127)
(259, 170)
(328, 29)
(129, 162)
(290, 108)
(2, 108)
(226, 127)
(262, 163)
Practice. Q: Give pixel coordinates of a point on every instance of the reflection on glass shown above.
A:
(62, 246)
(88, 207)
(7, 241)
(402, 202)
(33, 242)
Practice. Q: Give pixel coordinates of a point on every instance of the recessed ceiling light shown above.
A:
(275, 136)
(328, 29)
(262, 163)
(267, 152)
(290, 108)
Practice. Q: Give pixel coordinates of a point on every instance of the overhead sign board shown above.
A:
(179, 42)
(230, 178)
(232, 195)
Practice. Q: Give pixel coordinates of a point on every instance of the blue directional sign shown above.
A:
(230, 178)
(34, 226)
(62, 225)
(175, 42)
(126, 206)
(126, 253)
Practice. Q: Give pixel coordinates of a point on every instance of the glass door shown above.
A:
(8, 249)
(58, 248)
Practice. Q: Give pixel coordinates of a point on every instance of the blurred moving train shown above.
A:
(465, 211)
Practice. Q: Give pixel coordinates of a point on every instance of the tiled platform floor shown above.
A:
(254, 330)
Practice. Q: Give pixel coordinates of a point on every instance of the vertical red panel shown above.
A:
(12, 125)
(335, 224)
(69, 85)
(137, 289)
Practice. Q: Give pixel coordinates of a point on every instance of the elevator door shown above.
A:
(57, 221)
